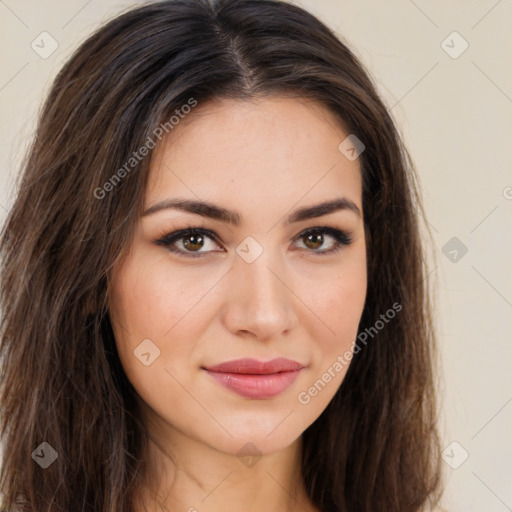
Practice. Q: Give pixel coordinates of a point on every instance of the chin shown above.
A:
(259, 435)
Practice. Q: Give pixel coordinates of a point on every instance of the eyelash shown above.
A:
(167, 240)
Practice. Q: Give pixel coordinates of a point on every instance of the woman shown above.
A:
(213, 288)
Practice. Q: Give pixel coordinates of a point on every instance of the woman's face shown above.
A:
(239, 333)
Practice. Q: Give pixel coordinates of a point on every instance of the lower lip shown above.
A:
(258, 387)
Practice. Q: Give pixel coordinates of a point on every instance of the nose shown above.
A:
(260, 298)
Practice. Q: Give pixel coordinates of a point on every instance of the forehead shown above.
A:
(275, 150)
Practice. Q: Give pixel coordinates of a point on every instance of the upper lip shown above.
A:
(255, 367)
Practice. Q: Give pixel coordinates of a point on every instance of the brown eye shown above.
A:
(189, 242)
(314, 239)
(192, 240)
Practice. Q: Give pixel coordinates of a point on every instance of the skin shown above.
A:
(264, 159)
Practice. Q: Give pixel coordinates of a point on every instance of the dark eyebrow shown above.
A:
(213, 211)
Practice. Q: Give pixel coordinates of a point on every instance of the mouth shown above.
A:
(254, 379)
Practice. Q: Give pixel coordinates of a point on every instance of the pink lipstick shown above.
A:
(256, 379)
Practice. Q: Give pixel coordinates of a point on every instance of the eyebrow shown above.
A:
(213, 211)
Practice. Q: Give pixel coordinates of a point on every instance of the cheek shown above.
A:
(154, 300)
(152, 297)
(148, 310)
(347, 302)
(337, 306)
(336, 301)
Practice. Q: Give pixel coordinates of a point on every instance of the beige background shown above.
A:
(455, 114)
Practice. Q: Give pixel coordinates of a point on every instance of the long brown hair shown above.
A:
(375, 447)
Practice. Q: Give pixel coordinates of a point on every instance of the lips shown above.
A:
(254, 379)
